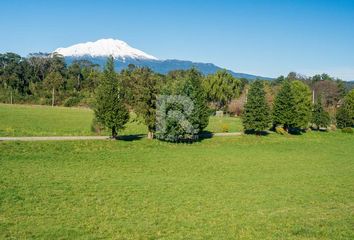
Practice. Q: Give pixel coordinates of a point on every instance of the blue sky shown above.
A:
(262, 37)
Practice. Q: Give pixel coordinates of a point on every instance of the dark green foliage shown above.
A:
(72, 101)
(110, 109)
(25, 78)
(292, 105)
(319, 116)
(349, 101)
(343, 117)
(256, 116)
(182, 110)
(142, 92)
(194, 90)
(345, 113)
(284, 109)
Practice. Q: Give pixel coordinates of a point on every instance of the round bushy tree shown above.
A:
(256, 116)
(110, 109)
(182, 111)
(221, 87)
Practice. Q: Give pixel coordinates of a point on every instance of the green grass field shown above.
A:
(22, 120)
(245, 187)
(274, 187)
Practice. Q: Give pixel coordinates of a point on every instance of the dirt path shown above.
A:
(75, 138)
(54, 138)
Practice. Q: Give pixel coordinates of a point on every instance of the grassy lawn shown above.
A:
(22, 120)
(247, 187)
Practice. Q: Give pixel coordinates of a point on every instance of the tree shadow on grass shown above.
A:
(257, 133)
(131, 137)
(201, 136)
(295, 131)
(204, 135)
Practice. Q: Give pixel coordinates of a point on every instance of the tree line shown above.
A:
(292, 103)
(38, 77)
(294, 109)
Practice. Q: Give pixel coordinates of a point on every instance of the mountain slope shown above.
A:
(97, 52)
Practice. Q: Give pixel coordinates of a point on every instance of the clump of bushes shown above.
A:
(72, 101)
(347, 130)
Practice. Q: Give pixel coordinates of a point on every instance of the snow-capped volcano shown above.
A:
(97, 53)
(104, 48)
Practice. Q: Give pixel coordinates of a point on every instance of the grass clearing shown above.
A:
(247, 187)
(25, 120)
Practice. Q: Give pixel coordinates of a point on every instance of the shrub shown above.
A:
(347, 130)
(280, 130)
(225, 128)
(319, 116)
(88, 102)
(343, 117)
(72, 101)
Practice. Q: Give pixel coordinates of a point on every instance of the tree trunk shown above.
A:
(78, 82)
(150, 135)
(114, 133)
(53, 97)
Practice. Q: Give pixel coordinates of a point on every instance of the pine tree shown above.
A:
(256, 116)
(345, 113)
(193, 89)
(319, 116)
(343, 117)
(284, 109)
(303, 104)
(110, 109)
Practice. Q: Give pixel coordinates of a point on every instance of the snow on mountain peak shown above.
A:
(104, 48)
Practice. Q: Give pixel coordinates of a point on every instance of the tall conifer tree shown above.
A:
(284, 109)
(319, 116)
(256, 115)
(110, 109)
